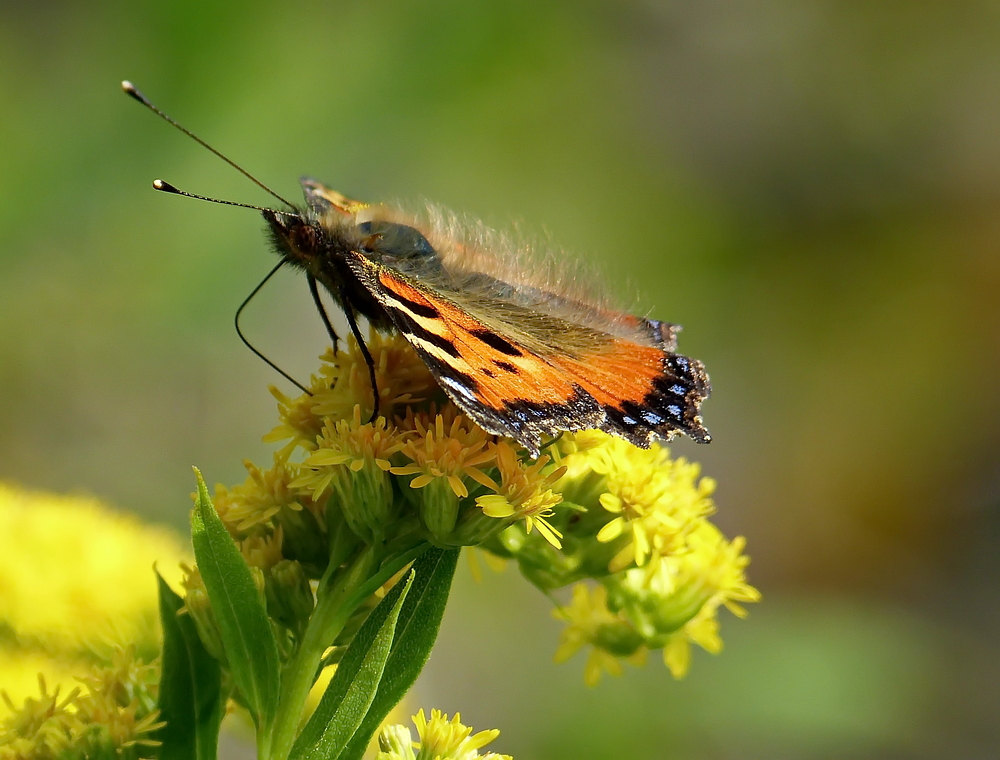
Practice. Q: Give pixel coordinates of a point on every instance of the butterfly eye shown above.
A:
(306, 238)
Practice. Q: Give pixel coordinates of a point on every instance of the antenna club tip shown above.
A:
(159, 184)
(131, 91)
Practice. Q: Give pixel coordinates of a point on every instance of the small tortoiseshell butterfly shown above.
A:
(521, 353)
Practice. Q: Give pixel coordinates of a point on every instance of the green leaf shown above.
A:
(355, 684)
(191, 700)
(416, 631)
(251, 649)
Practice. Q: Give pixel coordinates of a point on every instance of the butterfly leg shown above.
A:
(353, 322)
(248, 344)
(334, 339)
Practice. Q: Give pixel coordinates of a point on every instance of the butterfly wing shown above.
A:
(524, 373)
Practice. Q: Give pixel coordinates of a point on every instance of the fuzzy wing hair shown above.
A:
(525, 372)
(483, 263)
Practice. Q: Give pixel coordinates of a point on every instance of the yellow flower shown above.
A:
(344, 382)
(262, 496)
(120, 699)
(299, 423)
(263, 550)
(440, 739)
(350, 443)
(75, 575)
(591, 623)
(448, 446)
(402, 378)
(655, 500)
(43, 727)
(348, 472)
(712, 571)
(524, 493)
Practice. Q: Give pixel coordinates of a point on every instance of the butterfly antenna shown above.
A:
(166, 187)
(130, 90)
(248, 344)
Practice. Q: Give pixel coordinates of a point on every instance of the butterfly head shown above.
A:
(299, 239)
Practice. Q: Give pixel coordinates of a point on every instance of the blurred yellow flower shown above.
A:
(712, 572)
(655, 500)
(591, 623)
(74, 577)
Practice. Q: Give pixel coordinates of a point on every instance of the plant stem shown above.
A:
(336, 600)
(329, 617)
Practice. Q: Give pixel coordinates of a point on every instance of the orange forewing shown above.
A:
(634, 390)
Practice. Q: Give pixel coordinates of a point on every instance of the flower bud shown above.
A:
(438, 505)
(304, 540)
(364, 496)
(289, 597)
(198, 607)
(396, 741)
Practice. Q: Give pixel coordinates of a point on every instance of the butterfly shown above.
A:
(519, 357)
(523, 352)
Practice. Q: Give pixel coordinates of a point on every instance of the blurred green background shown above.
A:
(810, 187)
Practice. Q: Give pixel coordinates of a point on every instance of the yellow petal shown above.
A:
(481, 478)
(677, 656)
(622, 559)
(458, 486)
(567, 648)
(326, 457)
(410, 469)
(641, 539)
(549, 533)
(592, 670)
(611, 531)
(494, 505)
(611, 502)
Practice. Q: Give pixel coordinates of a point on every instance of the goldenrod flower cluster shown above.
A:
(111, 714)
(439, 739)
(631, 523)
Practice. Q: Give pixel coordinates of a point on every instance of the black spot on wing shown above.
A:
(506, 366)
(497, 342)
(409, 326)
